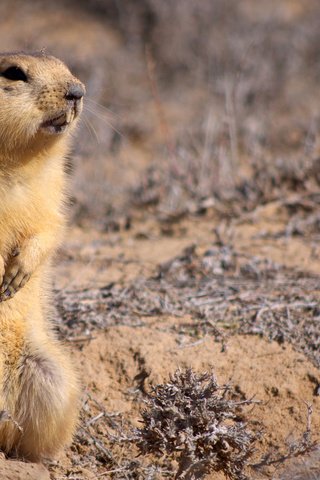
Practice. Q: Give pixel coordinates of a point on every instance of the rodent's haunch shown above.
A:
(40, 101)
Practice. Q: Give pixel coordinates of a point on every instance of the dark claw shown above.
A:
(8, 293)
(15, 252)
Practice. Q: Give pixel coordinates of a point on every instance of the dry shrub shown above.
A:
(196, 421)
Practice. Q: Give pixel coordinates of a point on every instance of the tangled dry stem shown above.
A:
(197, 422)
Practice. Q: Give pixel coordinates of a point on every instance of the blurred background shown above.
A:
(189, 103)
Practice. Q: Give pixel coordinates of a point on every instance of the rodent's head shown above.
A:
(39, 98)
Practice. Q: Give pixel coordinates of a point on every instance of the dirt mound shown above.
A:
(118, 368)
(14, 470)
(124, 359)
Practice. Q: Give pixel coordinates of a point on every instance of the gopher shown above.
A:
(40, 102)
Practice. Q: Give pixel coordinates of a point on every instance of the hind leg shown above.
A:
(46, 406)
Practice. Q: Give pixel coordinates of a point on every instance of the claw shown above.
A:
(6, 295)
(14, 278)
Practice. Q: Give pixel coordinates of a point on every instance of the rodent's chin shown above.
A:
(54, 129)
(58, 124)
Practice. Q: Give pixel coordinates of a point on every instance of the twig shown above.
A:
(80, 339)
(116, 470)
(232, 124)
(99, 445)
(7, 417)
(94, 419)
(159, 108)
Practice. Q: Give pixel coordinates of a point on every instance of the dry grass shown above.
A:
(250, 79)
(224, 292)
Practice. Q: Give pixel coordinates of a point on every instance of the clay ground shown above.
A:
(194, 219)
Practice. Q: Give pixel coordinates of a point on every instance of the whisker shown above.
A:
(102, 107)
(103, 119)
(91, 128)
(99, 110)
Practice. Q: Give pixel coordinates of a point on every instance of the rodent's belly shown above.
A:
(11, 314)
(22, 309)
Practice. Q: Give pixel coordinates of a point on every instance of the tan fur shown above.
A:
(38, 387)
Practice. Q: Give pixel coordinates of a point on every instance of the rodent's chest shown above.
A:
(13, 195)
(22, 210)
(17, 200)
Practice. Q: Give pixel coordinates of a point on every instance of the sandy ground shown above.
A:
(118, 362)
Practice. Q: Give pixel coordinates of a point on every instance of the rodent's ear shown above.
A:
(15, 73)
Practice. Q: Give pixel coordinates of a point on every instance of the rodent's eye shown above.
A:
(14, 73)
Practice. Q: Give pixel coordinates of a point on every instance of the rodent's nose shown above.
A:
(75, 91)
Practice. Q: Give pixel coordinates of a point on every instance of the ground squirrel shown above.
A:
(40, 101)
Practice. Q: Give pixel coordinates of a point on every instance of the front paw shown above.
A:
(14, 278)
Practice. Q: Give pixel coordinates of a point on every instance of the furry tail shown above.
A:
(46, 404)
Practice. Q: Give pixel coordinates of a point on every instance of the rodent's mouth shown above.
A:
(59, 124)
